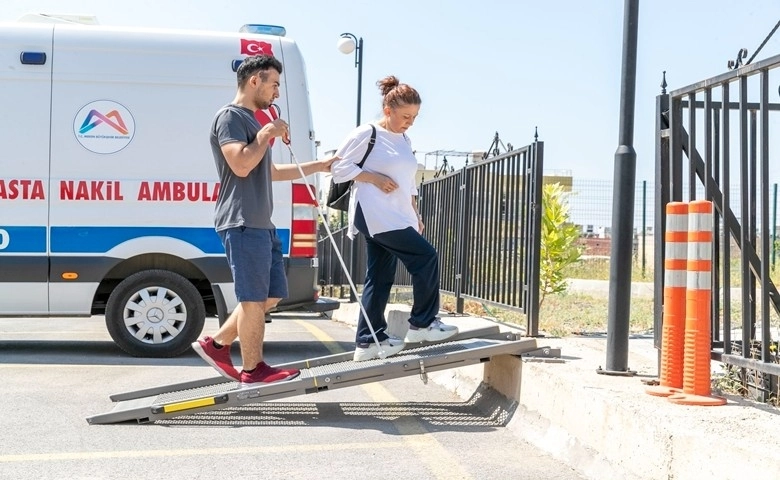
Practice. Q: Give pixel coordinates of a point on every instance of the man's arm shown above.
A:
(290, 171)
(242, 157)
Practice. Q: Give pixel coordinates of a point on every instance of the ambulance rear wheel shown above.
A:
(155, 313)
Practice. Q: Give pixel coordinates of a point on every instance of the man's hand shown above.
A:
(276, 128)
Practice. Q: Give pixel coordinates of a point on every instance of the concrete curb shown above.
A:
(606, 427)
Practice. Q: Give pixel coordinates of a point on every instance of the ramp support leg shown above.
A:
(502, 373)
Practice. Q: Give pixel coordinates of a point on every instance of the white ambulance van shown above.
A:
(107, 182)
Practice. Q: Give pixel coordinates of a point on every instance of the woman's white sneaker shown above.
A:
(390, 346)
(435, 332)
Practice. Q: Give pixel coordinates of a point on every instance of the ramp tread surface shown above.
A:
(418, 360)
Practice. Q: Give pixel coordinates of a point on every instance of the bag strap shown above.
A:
(371, 143)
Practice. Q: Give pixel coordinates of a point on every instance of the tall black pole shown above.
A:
(353, 258)
(359, 63)
(623, 205)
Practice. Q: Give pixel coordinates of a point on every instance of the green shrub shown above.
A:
(559, 247)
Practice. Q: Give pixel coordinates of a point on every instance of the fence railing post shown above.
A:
(534, 256)
(774, 224)
(460, 244)
(644, 226)
(662, 197)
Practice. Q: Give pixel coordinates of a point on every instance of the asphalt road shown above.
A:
(57, 372)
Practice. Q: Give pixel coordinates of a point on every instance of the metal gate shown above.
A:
(485, 222)
(712, 143)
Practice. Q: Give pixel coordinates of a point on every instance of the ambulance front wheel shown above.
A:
(155, 313)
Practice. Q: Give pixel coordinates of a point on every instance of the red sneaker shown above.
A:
(265, 373)
(219, 358)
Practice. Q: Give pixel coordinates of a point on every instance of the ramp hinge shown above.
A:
(423, 375)
(543, 354)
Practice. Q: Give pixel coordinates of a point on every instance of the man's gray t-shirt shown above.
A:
(243, 201)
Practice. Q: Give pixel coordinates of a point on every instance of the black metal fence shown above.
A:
(708, 136)
(485, 222)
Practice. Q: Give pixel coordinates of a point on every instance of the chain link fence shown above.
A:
(590, 207)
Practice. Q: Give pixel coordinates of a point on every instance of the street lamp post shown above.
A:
(347, 44)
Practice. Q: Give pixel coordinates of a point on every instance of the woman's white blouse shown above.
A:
(391, 156)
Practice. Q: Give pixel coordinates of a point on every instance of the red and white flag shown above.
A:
(255, 47)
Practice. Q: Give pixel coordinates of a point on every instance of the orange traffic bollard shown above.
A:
(673, 330)
(696, 369)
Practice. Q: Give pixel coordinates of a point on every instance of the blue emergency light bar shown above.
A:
(263, 29)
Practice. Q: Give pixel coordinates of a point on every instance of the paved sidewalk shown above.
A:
(601, 288)
(607, 427)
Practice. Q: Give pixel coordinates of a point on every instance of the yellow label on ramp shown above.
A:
(178, 407)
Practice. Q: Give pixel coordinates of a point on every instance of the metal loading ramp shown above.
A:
(317, 375)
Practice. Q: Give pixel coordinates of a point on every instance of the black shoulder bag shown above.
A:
(338, 195)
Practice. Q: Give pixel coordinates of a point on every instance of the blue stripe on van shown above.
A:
(22, 239)
(103, 239)
(284, 236)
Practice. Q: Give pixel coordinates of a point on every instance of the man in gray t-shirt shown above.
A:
(242, 154)
(246, 201)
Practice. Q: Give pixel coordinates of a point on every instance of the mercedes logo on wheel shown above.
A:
(155, 315)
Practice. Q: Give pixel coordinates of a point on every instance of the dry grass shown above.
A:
(597, 268)
(573, 313)
(566, 314)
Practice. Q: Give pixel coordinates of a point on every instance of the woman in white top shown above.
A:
(383, 208)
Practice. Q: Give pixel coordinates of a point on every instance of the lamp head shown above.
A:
(346, 45)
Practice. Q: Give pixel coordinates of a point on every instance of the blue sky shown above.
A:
(481, 67)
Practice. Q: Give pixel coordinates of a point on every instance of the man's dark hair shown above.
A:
(251, 65)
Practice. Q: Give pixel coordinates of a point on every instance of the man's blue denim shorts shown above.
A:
(256, 261)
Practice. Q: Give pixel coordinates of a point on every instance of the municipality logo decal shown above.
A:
(112, 118)
(104, 126)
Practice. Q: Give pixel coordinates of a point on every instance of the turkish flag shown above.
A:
(255, 47)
